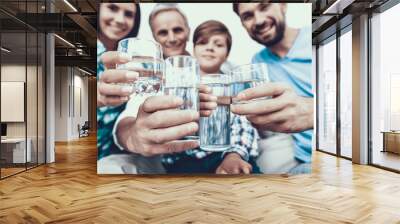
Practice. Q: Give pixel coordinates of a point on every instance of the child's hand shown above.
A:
(208, 102)
(233, 164)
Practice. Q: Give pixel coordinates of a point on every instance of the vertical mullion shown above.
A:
(45, 95)
(45, 86)
(73, 92)
(0, 96)
(369, 83)
(37, 90)
(26, 86)
(60, 88)
(338, 97)
(317, 96)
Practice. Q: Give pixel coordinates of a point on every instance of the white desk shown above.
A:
(17, 150)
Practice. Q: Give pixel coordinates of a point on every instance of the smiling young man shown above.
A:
(288, 55)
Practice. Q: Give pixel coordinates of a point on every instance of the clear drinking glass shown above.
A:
(215, 130)
(248, 76)
(146, 61)
(182, 80)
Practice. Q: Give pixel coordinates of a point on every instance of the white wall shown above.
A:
(14, 73)
(61, 103)
(69, 82)
(80, 89)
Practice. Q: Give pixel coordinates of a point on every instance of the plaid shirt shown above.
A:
(243, 140)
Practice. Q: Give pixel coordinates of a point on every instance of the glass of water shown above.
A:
(146, 60)
(215, 130)
(182, 80)
(248, 76)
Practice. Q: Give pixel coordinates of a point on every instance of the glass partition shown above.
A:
(34, 99)
(31, 98)
(13, 103)
(22, 76)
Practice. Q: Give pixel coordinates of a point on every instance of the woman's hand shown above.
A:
(109, 93)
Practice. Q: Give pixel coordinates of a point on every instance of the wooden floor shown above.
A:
(70, 191)
(10, 171)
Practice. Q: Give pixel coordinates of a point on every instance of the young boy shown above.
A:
(212, 43)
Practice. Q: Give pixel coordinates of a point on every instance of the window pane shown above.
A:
(346, 94)
(327, 97)
(385, 89)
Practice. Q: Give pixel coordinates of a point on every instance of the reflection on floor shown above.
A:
(387, 159)
(10, 169)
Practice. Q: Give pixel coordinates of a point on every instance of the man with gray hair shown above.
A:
(170, 28)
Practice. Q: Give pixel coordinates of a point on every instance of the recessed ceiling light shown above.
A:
(5, 50)
(70, 5)
(84, 71)
(337, 7)
(64, 40)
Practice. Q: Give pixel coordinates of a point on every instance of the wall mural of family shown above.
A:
(162, 109)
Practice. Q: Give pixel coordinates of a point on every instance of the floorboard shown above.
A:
(70, 191)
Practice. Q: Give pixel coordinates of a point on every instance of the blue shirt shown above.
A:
(294, 69)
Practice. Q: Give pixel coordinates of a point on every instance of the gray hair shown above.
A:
(163, 7)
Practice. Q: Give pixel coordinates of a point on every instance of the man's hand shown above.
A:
(108, 92)
(234, 164)
(284, 112)
(208, 102)
(159, 126)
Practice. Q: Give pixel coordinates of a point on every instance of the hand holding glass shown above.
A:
(248, 76)
(146, 60)
(181, 80)
(215, 130)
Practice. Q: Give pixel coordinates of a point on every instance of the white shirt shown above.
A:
(131, 110)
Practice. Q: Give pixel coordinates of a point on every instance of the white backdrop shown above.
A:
(12, 101)
(243, 47)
